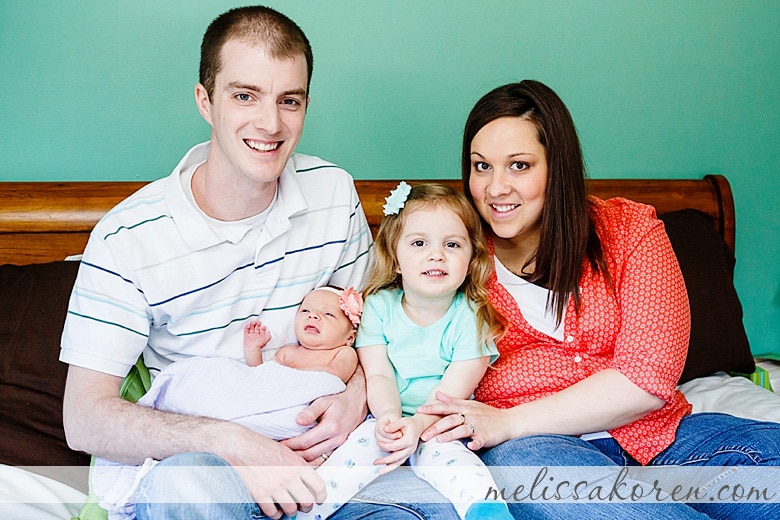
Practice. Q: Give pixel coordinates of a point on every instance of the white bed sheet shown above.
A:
(736, 395)
(25, 495)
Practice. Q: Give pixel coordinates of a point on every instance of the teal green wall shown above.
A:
(97, 89)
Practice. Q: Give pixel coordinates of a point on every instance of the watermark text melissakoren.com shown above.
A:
(737, 484)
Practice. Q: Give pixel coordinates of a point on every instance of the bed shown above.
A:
(44, 223)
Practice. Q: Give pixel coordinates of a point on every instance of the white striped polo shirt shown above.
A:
(156, 278)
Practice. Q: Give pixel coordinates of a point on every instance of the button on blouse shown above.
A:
(641, 330)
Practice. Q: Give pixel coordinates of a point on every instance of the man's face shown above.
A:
(256, 111)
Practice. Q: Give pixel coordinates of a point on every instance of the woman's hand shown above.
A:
(462, 418)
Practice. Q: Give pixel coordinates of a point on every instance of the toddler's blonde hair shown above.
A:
(384, 270)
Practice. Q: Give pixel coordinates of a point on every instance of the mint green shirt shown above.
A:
(420, 355)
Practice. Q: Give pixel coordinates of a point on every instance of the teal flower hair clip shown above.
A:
(397, 199)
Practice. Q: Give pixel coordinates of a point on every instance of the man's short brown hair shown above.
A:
(281, 37)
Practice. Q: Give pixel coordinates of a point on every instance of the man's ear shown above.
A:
(203, 102)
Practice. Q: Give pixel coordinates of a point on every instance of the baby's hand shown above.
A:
(256, 335)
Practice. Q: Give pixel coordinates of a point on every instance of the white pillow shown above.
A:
(734, 395)
(25, 495)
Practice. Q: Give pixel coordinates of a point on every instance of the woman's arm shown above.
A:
(647, 358)
(600, 402)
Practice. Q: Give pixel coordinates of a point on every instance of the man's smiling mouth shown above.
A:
(262, 147)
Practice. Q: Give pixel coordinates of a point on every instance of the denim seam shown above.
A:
(746, 452)
(714, 481)
(402, 507)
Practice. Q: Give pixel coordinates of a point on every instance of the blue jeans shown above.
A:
(397, 495)
(705, 439)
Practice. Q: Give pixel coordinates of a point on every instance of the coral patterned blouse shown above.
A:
(642, 330)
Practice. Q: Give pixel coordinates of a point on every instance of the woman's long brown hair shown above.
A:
(568, 230)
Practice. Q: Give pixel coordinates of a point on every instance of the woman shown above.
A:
(598, 327)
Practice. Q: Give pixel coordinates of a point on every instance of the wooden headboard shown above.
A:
(46, 221)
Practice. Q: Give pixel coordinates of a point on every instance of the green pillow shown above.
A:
(136, 383)
(134, 386)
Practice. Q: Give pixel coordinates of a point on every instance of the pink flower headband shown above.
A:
(350, 301)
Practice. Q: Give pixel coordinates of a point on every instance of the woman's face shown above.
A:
(508, 178)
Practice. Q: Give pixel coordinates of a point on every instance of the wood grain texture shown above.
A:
(46, 221)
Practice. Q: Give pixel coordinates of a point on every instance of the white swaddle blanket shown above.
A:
(265, 399)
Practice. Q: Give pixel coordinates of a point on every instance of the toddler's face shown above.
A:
(433, 252)
(321, 324)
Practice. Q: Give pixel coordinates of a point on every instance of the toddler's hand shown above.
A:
(407, 435)
(385, 431)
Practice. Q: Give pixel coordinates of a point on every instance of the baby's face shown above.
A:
(321, 324)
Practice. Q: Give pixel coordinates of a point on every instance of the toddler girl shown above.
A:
(427, 326)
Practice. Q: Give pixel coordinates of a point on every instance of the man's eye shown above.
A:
(242, 96)
(291, 102)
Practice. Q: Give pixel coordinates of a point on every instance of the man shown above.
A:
(242, 229)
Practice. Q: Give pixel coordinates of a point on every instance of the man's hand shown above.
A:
(279, 480)
(98, 421)
(338, 415)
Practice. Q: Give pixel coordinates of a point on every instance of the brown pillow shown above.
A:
(718, 339)
(33, 304)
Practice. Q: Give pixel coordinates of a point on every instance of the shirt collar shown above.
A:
(197, 232)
